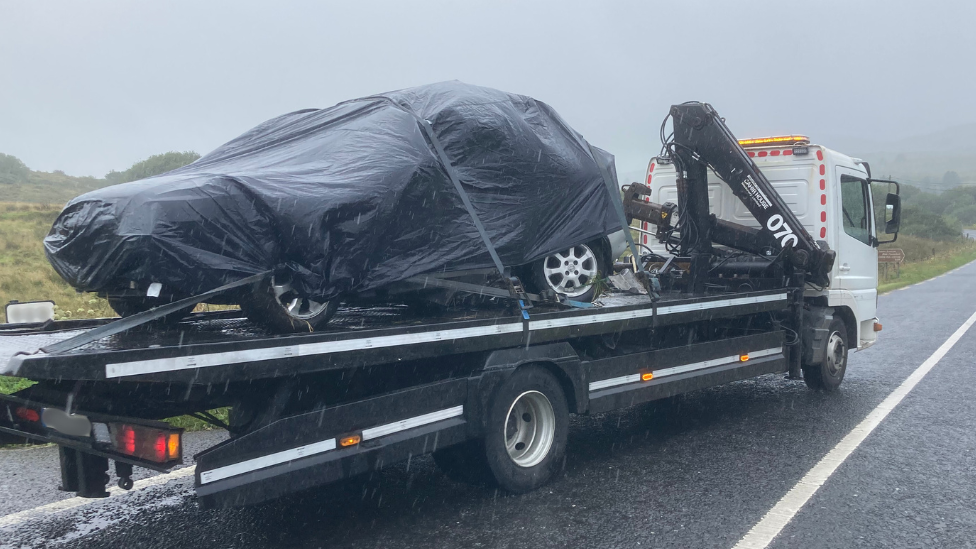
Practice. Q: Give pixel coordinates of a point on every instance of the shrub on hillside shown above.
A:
(918, 222)
(12, 169)
(154, 165)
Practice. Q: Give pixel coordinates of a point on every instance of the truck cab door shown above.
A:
(856, 267)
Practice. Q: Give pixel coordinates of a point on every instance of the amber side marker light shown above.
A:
(743, 358)
(350, 440)
(877, 326)
(647, 376)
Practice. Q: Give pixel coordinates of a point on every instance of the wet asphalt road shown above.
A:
(26, 472)
(695, 471)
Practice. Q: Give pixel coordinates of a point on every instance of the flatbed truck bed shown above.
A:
(232, 349)
(397, 383)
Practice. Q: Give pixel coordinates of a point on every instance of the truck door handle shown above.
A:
(844, 267)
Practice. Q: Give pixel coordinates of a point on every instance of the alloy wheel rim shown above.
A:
(295, 305)
(571, 272)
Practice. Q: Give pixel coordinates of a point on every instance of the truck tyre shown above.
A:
(276, 305)
(829, 373)
(573, 272)
(527, 428)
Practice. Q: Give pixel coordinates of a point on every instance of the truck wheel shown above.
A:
(276, 305)
(828, 374)
(528, 423)
(572, 272)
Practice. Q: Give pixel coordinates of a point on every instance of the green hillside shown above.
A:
(19, 183)
(31, 200)
(25, 274)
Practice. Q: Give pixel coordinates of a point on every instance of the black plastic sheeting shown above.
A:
(348, 198)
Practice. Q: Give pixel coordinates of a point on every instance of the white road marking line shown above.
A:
(763, 533)
(49, 509)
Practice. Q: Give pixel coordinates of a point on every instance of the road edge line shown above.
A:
(773, 522)
(49, 509)
(886, 292)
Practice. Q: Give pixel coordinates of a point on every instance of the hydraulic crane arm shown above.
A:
(701, 141)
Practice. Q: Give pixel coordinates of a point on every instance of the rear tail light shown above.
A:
(27, 414)
(149, 443)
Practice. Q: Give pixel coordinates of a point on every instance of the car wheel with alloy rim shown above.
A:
(278, 305)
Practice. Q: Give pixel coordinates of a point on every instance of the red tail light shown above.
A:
(127, 440)
(27, 414)
(160, 447)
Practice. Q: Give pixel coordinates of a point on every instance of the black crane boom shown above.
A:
(701, 141)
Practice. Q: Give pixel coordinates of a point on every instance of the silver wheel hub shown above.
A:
(835, 354)
(530, 429)
(571, 272)
(295, 305)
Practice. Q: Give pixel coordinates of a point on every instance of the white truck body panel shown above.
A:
(816, 187)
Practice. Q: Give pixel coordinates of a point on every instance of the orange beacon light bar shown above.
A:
(775, 140)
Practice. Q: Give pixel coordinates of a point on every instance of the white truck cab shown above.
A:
(830, 194)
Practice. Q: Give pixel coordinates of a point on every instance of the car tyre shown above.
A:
(276, 305)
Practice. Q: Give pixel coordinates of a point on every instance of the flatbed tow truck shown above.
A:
(487, 390)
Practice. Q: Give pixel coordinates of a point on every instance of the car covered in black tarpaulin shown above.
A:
(350, 200)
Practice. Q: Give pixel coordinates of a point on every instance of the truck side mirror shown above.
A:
(892, 213)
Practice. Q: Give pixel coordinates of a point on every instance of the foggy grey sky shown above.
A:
(87, 87)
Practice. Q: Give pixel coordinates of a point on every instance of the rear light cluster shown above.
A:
(158, 445)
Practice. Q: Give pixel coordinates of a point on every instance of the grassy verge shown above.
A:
(194, 424)
(942, 261)
(10, 385)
